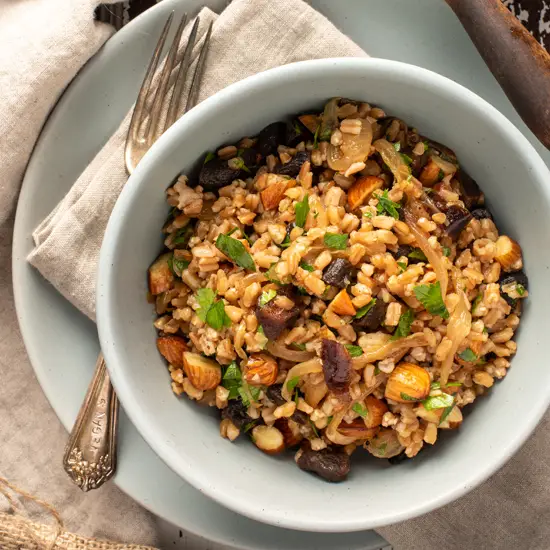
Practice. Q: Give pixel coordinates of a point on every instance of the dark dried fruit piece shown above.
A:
(336, 365)
(271, 137)
(373, 318)
(274, 394)
(273, 318)
(470, 192)
(517, 277)
(329, 464)
(338, 273)
(292, 168)
(237, 413)
(216, 174)
(481, 214)
(458, 219)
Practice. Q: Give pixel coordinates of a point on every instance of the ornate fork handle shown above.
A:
(90, 455)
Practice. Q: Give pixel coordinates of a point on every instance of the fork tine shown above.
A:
(199, 70)
(181, 76)
(136, 120)
(160, 94)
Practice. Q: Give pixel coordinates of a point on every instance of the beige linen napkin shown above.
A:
(250, 36)
(510, 511)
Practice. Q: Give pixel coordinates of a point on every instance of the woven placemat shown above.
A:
(19, 532)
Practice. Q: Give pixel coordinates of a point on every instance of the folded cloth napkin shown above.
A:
(509, 511)
(250, 36)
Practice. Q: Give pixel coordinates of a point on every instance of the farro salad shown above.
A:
(334, 285)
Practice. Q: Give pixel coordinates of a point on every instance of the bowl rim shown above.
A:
(104, 290)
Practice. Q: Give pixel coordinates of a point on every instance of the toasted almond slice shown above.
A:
(342, 304)
(203, 373)
(357, 429)
(268, 439)
(360, 192)
(453, 421)
(376, 409)
(161, 277)
(261, 370)
(271, 196)
(291, 432)
(430, 174)
(311, 122)
(408, 382)
(508, 254)
(172, 349)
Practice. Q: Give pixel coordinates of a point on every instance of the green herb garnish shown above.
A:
(336, 241)
(408, 160)
(407, 397)
(404, 326)
(354, 351)
(430, 297)
(397, 146)
(253, 392)
(361, 312)
(286, 242)
(267, 296)
(302, 210)
(476, 301)
(209, 156)
(316, 137)
(232, 379)
(302, 292)
(368, 214)
(417, 254)
(468, 355)
(438, 402)
(314, 428)
(177, 266)
(360, 410)
(301, 347)
(520, 289)
(446, 413)
(453, 385)
(306, 266)
(206, 298)
(238, 164)
(182, 236)
(441, 175)
(261, 330)
(236, 251)
(446, 251)
(292, 383)
(216, 317)
(402, 265)
(211, 311)
(386, 205)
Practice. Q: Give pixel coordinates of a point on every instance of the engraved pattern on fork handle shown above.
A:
(91, 454)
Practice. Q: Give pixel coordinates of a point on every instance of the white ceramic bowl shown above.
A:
(274, 490)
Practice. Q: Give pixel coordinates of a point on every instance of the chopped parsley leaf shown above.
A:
(216, 316)
(354, 351)
(441, 401)
(404, 326)
(446, 251)
(407, 397)
(446, 413)
(302, 210)
(336, 241)
(468, 355)
(402, 265)
(209, 156)
(386, 205)
(235, 251)
(520, 289)
(292, 383)
(360, 410)
(397, 146)
(306, 266)
(417, 254)
(267, 296)
(365, 309)
(430, 297)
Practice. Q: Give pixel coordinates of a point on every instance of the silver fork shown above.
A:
(91, 452)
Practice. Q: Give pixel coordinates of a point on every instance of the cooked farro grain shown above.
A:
(343, 288)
